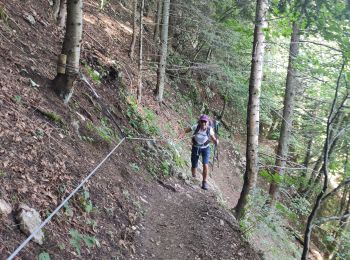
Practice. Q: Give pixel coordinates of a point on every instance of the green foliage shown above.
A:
(39, 133)
(178, 160)
(54, 117)
(152, 170)
(94, 75)
(77, 240)
(104, 130)
(261, 223)
(61, 246)
(44, 256)
(165, 168)
(3, 14)
(87, 138)
(85, 201)
(134, 167)
(2, 174)
(17, 99)
(92, 223)
(67, 210)
(144, 123)
(103, 3)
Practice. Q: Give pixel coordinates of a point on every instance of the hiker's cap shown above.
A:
(204, 118)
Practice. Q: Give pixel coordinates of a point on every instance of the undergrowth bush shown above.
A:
(143, 122)
(266, 228)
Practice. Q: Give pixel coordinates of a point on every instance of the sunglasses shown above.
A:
(202, 121)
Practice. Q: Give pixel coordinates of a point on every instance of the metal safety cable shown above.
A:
(25, 242)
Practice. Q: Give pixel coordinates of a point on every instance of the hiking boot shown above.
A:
(204, 185)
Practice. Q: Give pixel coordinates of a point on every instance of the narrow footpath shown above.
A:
(191, 223)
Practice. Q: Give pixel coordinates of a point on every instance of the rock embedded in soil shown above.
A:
(5, 208)
(29, 219)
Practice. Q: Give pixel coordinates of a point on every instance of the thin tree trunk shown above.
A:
(256, 72)
(133, 41)
(346, 168)
(157, 22)
(139, 89)
(287, 120)
(172, 24)
(316, 174)
(306, 163)
(163, 52)
(343, 223)
(62, 14)
(223, 108)
(63, 84)
(309, 224)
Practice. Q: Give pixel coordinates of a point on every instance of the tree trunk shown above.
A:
(60, 12)
(157, 22)
(172, 24)
(133, 41)
(306, 163)
(256, 72)
(316, 174)
(63, 83)
(287, 121)
(139, 88)
(163, 52)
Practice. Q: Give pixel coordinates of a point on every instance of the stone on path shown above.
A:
(29, 219)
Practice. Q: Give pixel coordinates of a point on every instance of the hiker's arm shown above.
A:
(215, 140)
(187, 130)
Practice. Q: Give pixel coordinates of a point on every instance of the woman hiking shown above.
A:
(202, 134)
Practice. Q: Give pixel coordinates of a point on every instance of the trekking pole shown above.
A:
(217, 156)
(215, 151)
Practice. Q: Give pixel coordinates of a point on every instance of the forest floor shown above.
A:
(47, 148)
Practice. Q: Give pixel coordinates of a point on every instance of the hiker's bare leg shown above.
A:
(205, 171)
(193, 171)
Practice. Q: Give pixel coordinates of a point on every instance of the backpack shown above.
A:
(211, 124)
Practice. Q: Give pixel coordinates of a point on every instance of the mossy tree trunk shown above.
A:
(63, 83)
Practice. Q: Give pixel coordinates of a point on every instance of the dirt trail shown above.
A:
(190, 223)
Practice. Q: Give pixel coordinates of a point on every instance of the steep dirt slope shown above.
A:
(47, 148)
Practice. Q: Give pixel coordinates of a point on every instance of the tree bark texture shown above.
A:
(157, 22)
(62, 14)
(133, 41)
(139, 88)
(163, 52)
(287, 120)
(251, 172)
(63, 83)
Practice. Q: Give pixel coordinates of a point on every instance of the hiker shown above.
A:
(202, 133)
